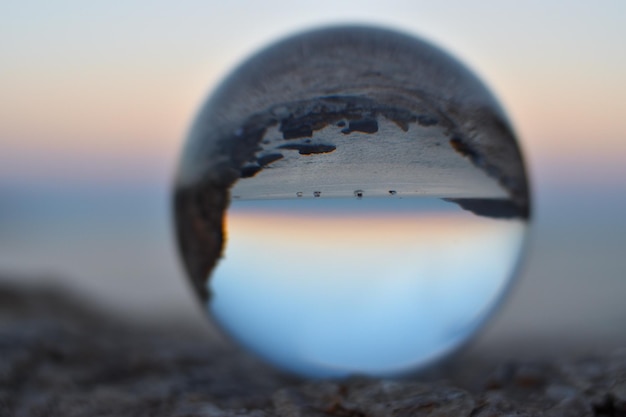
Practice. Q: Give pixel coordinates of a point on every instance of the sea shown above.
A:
(113, 247)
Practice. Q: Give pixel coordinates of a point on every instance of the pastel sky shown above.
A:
(101, 91)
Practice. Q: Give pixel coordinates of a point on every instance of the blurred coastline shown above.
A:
(114, 248)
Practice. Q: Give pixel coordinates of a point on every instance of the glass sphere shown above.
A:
(351, 200)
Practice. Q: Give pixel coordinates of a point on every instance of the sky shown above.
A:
(96, 99)
(373, 285)
(106, 91)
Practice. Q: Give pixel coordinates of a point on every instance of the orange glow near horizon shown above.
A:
(73, 89)
(390, 228)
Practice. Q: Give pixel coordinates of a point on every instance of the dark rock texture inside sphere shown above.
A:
(301, 100)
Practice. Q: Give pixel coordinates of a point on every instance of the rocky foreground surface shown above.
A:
(59, 359)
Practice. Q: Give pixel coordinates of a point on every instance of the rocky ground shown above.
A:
(59, 359)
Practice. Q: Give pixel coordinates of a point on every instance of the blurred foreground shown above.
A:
(61, 359)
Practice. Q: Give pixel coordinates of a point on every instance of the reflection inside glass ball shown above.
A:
(351, 200)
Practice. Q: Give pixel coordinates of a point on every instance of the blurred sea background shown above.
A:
(95, 101)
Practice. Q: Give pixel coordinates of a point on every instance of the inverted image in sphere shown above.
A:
(351, 200)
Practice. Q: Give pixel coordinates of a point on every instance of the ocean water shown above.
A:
(114, 247)
(376, 286)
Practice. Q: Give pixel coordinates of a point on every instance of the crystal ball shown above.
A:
(351, 200)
